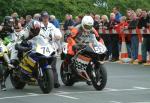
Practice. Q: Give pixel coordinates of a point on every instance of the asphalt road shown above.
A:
(126, 84)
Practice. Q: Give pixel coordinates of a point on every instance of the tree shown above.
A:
(9, 6)
(74, 7)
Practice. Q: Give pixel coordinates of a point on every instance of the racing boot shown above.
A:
(3, 86)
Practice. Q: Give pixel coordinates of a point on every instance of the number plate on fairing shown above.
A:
(81, 63)
(45, 50)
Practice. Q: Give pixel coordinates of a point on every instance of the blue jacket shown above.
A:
(56, 23)
(118, 16)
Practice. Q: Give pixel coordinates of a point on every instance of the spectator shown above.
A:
(148, 39)
(92, 15)
(69, 22)
(54, 21)
(77, 20)
(128, 14)
(114, 38)
(143, 25)
(139, 13)
(96, 22)
(68, 25)
(106, 37)
(134, 38)
(122, 27)
(22, 21)
(117, 14)
(37, 16)
(15, 15)
(17, 24)
(28, 19)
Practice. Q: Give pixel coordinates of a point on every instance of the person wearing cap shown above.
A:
(53, 34)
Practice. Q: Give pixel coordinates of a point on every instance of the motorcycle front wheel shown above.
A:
(99, 79)
(46, 82)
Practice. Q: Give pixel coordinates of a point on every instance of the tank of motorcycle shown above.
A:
(43, 46)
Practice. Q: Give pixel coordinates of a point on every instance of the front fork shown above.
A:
(41, 70)
(94, 67)
(6, 58)
(93, 74)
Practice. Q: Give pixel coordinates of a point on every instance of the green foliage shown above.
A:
(9, 6)
(61, 7)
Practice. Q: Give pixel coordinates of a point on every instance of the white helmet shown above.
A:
(58, 34)
(87, 22)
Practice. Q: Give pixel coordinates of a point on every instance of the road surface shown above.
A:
(126, 84)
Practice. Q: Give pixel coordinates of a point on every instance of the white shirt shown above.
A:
(49, 33)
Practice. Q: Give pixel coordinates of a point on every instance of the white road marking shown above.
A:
(110, 89)
(65, 96)
(107, 90)
(140, 102)
(139, 87)
(35, 95)
(114, 102)
(62, 92)
(129, 76)
(23, 96)
(32, 94)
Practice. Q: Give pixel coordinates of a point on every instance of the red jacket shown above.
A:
(120, 28)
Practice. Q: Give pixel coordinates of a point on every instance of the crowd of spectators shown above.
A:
(133, 19)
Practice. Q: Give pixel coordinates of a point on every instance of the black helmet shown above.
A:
(44, 14)
(8, 21)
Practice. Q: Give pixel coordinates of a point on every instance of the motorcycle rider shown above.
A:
(29, 32)
(80, 32)
(6, 32)
(51, 33)
(78, 36)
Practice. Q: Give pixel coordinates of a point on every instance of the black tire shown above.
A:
(16, 82)
(47, 82)
(66, 77)
(1, 71)
(101, 74)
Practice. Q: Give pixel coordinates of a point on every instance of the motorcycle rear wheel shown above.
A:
(16, 82)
